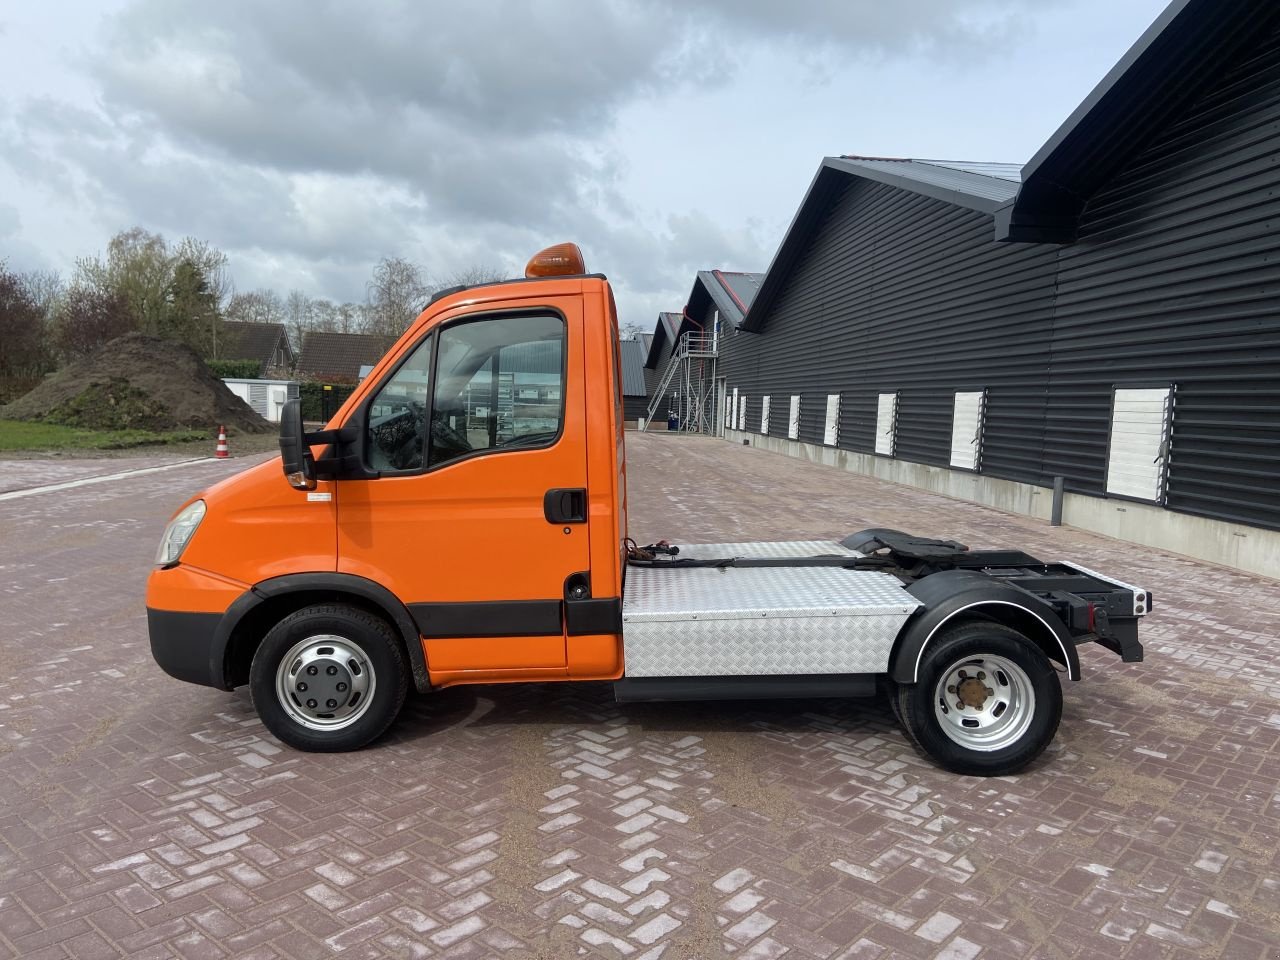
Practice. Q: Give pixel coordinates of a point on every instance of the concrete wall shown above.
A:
(1251, 549)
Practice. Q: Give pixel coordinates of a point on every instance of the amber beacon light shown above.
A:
(561, 260)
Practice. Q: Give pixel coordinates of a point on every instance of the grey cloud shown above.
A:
(877, 26)
(9, 221)
(448, 98)
(513, 67)
(311, 137)
(15, 252)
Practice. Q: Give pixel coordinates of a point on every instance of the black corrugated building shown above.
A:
(662, 344)
(635, 392)
(1110, 313)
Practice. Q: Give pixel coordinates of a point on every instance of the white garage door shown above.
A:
(1137, 460)
(793, 419)
(764, 415)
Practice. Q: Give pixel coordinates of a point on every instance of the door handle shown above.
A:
(565, 505)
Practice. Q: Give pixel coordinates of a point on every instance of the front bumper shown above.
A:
(186, 645)
(186, 619)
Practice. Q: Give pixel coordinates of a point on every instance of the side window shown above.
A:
(499, 385)
(398, 415)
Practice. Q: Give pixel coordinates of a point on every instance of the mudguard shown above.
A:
(340, 583)
(953, 593)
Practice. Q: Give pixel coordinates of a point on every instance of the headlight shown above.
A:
(178, 533)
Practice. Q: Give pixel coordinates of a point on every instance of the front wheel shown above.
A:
(987, 701)
(329, 677)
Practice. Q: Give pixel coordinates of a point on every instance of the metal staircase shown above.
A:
(687, 386)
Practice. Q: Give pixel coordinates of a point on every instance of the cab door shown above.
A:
(477, 520)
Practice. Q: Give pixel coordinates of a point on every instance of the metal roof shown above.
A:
(1001, 171)
(537, 356)
(1180, 55)
(984, 187)
(633, 357)
(743, 287)
(667, 330)
(731, 291)
(979, 186)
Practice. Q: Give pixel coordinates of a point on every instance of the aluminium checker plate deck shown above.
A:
(761, 621)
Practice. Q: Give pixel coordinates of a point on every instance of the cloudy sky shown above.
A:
(309, 138)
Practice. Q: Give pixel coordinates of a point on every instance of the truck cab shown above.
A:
(463, 519)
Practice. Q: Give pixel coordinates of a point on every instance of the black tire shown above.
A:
(342, 685)
(986, 703)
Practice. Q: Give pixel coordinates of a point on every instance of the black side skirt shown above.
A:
(799, 687)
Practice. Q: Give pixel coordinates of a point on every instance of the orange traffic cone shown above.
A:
(222, 452)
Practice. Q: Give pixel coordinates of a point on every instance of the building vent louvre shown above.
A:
(966, 429)
(1138, 446)
(886, 423)
(831, 426)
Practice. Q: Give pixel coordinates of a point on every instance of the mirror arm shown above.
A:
(341, 435)
(341, 463)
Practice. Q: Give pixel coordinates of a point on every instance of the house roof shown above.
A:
(1180, 55)
(728, 291)
(339, 356)
(667, 330)
(252, 341)
(983, 187)
(633, 357)
(978, 186)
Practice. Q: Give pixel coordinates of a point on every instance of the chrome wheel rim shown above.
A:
(325, 682)
(984, 702)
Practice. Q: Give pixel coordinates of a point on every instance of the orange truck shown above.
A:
(463, 519)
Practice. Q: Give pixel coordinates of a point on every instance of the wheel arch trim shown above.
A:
(339, 583)
(1068, 651)
(958, 594)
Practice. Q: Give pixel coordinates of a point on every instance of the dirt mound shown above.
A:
(137, 382)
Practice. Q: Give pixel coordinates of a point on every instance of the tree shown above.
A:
(47, 288)
(174, 292)
(24, 348)
(474, 275)
(395, 296)
(256, 306)
(87, 317)
(137, 270)
(192, 315)
(297, 318)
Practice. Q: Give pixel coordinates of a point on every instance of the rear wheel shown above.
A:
(987, 701)
(329, 677)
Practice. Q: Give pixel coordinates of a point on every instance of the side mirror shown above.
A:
(295, 452)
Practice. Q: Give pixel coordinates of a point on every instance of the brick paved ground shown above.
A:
(143, 817)
(23, 474)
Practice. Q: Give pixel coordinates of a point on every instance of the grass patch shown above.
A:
(27, 435)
